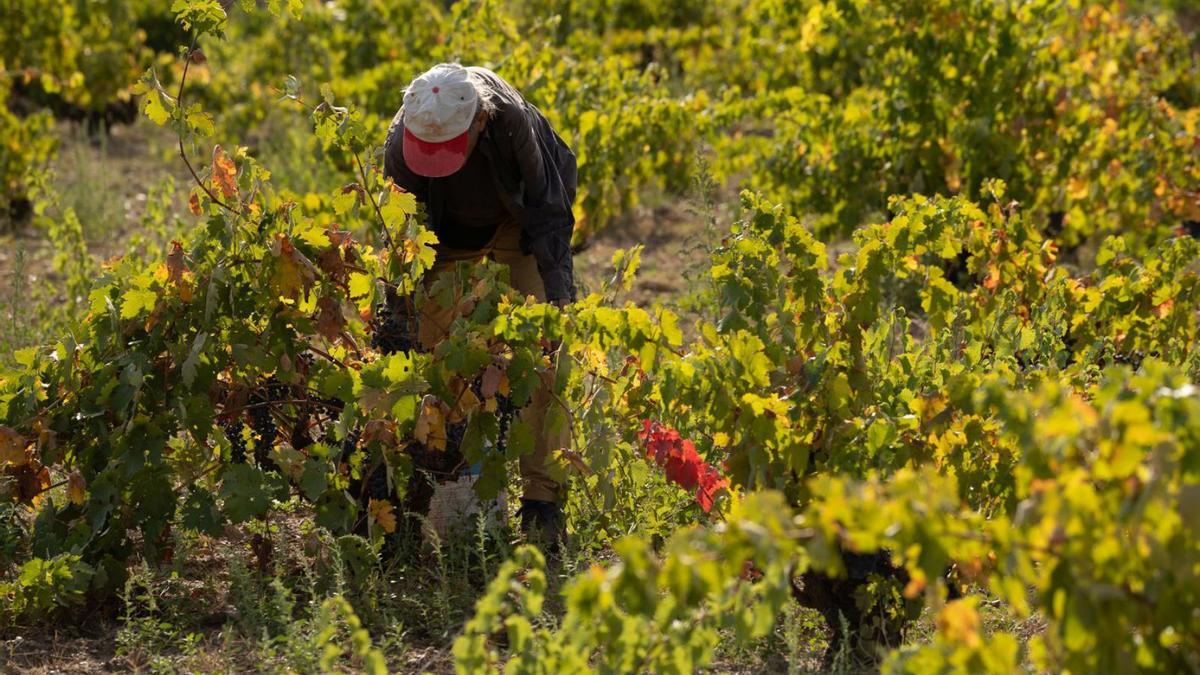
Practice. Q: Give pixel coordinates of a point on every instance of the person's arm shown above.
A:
(393, 162)
(548, 221)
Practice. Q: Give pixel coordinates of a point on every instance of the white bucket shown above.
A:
(455, 508)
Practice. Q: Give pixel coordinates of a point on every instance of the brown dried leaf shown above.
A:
(47, 440)
(331, 263)
(380, 431)
(490, 384)
(330, 322)
(194, 203)
(12, 448)
(467, 402)
(338, 237)
(33, 479)
(176, 266)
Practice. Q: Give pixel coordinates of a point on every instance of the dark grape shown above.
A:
(454, 436)
(262, 423)
(275, 390)
(237, 442)
(377, 483)
(301, 438)
(264, 431)
(394, 325)
(333, 404)
(955, 270)
(505, 410)
(1055, 223)
(1133, 359)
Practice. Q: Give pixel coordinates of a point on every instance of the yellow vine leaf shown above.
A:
(137, 301)
(382, 514)
(993, 278)
(76, 488)
(431, 426)
(1077, 189)
(224, 173)
(959, 622)
(293, 272)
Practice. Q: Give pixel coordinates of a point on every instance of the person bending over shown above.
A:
(497, 182)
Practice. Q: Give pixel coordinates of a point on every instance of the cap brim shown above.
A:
(435, 160)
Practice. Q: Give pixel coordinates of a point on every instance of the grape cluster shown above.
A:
(264, 432)
(349, 444)
(454, 436)
(302, 438)
(237, 442)
(377, 483)
(1133, 359)
(505, 410)
(262, 423)
(394, 325)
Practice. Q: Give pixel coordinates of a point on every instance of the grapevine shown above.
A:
(941, 350)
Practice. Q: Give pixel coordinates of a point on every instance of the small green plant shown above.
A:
(42, 587)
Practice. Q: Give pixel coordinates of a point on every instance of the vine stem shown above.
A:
(329, 357)
(267, 404)
(362, 176)
(387, 234)
(187, 62)
(47, 489)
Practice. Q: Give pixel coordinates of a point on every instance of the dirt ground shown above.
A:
(107, 181)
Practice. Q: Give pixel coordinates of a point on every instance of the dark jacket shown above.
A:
(534, 171)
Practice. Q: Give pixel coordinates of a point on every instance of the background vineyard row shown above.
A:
(993, 384)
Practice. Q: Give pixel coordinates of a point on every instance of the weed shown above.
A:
(85, 182)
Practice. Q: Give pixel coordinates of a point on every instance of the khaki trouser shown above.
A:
(505, 248)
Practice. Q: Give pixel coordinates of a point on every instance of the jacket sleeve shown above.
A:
(546, 209)
(393, 162)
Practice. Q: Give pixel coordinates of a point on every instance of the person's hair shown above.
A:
(487, 100)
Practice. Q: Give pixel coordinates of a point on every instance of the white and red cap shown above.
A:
(439, 106)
